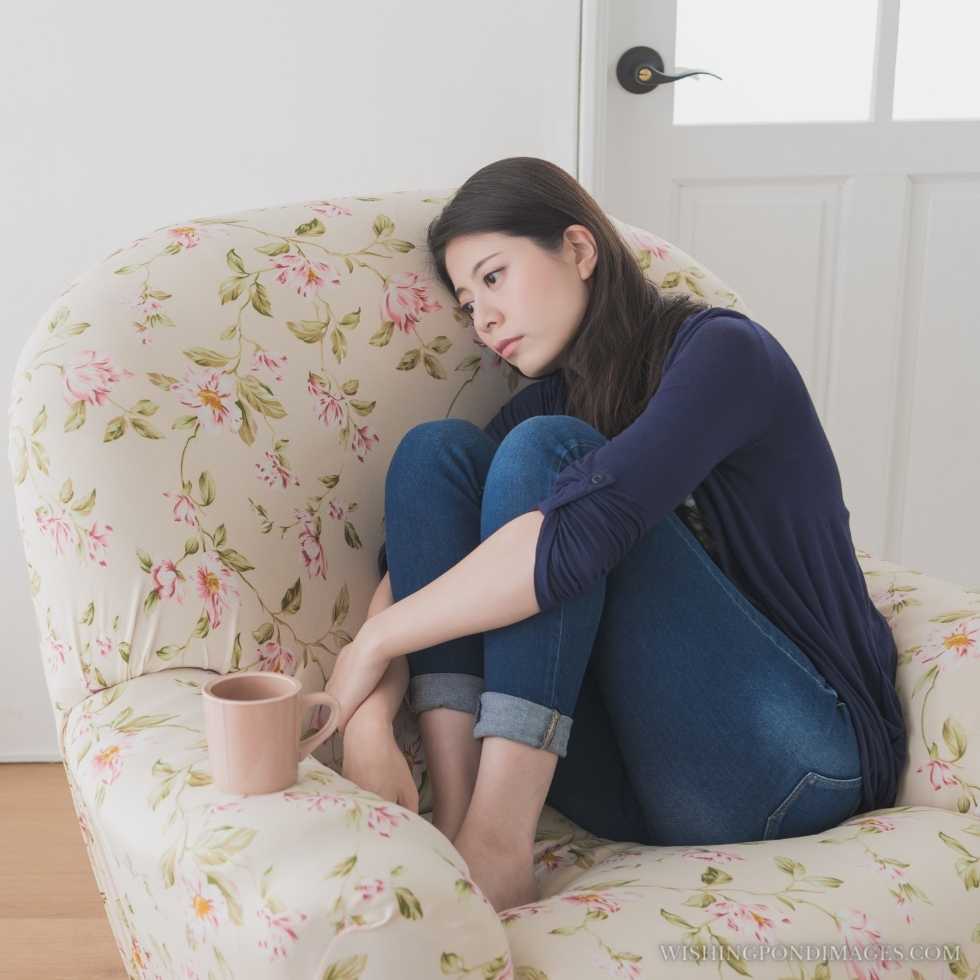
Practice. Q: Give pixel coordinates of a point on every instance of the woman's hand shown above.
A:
(356, 673)
(374, 760)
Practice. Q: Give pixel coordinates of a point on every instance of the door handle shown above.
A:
(641, 69)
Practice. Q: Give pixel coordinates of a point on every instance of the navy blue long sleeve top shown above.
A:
(732, 443)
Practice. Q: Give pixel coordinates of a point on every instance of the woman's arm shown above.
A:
(382, 704)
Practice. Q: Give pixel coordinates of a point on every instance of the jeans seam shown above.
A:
(737, 599)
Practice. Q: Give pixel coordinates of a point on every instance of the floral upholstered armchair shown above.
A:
(200, 429)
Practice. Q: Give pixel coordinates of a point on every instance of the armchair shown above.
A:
(200, 428)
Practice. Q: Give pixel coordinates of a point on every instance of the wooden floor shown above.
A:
(52, 923)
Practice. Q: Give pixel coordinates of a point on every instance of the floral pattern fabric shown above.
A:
(200, 428)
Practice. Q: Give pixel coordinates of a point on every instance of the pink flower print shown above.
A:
(90, 376)
(138, 956)
(97, 543)
(521, 912)
(902, 898)
(857, 931)
(106, 764)
(940, 774)
(185, 510)
(552, 858)
(307, 277)
(273, 363)
(383, 819)
(104, 645)
(214, 586)
(319, 801)
(755, 920)
(311, 550)
(901, 894)
(274, 472)
(280, 928)
(143, 309)
(877, 825)
(643, 241)
(369, 888)
(332, 210)
(711, 855)
(186, 235)
(221, 807)
(597, 901)
(59, 528)
(276, 658)
(327, 408)
(85, 829)
(361, 440)
(335, 510)
(82, 727)
(146, 305)
(207, 909)
(61, 652)
(211, 393)
(608, 962)
(955, 647)
(166, 580)
(406, 297)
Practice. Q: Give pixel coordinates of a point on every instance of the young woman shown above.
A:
(676, 643)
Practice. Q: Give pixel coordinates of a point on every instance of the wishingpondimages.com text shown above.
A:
(812, 952)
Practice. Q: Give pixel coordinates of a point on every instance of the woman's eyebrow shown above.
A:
(476, 269)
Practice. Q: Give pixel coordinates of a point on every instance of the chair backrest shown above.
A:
(201, 425)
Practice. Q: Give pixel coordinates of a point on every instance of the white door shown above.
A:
(831, 177)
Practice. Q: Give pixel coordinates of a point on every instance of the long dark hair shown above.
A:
(614, 362)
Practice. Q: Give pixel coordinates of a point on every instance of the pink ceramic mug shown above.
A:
(252, 720)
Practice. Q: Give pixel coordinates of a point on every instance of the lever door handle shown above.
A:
(641, 69)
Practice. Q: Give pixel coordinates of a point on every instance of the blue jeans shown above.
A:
(696, 720)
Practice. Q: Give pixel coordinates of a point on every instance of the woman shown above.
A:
(688, 653)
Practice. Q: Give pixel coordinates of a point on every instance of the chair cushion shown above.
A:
(199, 880)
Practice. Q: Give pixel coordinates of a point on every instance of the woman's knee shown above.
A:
(543, 436)
(431, 440)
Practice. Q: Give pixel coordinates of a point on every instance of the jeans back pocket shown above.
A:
(816, 803)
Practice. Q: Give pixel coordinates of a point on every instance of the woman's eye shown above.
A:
(468, 308)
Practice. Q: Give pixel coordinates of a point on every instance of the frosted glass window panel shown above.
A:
(935, 69)
(779, 62)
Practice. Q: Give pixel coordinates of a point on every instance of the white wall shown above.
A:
(118, 118)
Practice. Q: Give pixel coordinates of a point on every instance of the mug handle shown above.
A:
(307, 745)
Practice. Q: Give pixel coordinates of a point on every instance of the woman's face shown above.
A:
(521, 290)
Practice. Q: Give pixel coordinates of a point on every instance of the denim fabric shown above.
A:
(680, 714)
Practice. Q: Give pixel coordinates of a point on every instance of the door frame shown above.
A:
(593, 75)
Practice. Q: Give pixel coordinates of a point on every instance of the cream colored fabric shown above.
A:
(199, 434)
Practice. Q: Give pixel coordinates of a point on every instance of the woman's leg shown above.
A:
(534, 670)
(729, 731)
(433, 494)
(433, 490)
(705, 696)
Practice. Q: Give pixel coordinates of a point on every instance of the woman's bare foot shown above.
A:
(503, 872)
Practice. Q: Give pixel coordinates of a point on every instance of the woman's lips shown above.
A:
(504, 351)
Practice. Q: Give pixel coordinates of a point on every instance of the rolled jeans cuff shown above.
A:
(445, 690)
(522, 721)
